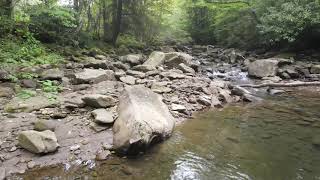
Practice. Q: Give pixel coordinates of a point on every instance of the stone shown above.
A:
(52, 74)
(204, 100)
(173, 75)
(133, 59)
(178, 107)
(38, 142)
(143, 120)
(119, 73)
(101, 57)
(29, 83)
(263, 68)
(2, 173)
(158, 88)
(315, 69)
(186, 69)
(316, 141)
(128, 80)
(75, 147)
(99, 101)
(102, 116)
(4, 75)
(272, 91)
(225, 95)
(91, 76)
(97, 64)
(155, 59)
(175, 58)
(144, 68)
(215, 102)
(31, 164)
(136, 74)
(6, 92)
(42, 125)
(121, 65)
(29, 105)
(103, 155)
(272, 79)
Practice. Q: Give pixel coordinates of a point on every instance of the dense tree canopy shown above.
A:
(243, 24)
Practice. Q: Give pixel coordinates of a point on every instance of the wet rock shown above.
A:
(133, 59)
(42, 125)
(38, 142)
(250, 98)
(29, 83)
(155, 59)
(99, 101)
(315, 69)
(239, 91)
(272, 91)
(186, 69)
(52, 74)
(91, 76)
(272, 79)
(128, 80)
(143, 119)
(215, 102)
(263, 68)
(303, 71)
(101, 57)
(102, 116)
(225, 95)
(6, 92)
(178, 107)
(29, 105)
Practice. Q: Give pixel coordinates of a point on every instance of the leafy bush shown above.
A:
(54, 24)
(129, 41)
(285, 22)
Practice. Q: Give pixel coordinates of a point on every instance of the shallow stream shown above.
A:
(277, 139)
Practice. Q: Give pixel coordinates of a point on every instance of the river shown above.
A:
(276, 139)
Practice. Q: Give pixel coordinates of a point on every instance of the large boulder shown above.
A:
(155, 59)
(133, 59)
(173, 59)
(99, 100)
(263, 68)
(52, 74)
(38, 142)
(315, 69)
(143, 120)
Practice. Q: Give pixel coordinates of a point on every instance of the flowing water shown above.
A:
(277, 139)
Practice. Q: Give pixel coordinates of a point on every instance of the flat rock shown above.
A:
(173, 75)
(6, 92)
(136, 74)
(315, 69)
(185, 68)
(52, 74)
(2, 173)
(133, 59)
(128, 80)
(99, 101)
(42, 125)
(178, 107)
(38, 142)
(173, 59)
(91, 76)
(29, 83)
(102, 116)
(155, 59)
(29, 105)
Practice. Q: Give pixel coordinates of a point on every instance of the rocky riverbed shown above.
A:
(165, 87)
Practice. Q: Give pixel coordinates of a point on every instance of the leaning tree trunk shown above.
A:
(117, 15)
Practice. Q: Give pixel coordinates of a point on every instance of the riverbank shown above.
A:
(191, 80)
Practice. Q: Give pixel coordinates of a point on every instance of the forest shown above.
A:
(159, 89)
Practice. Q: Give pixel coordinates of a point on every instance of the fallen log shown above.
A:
(294, 84)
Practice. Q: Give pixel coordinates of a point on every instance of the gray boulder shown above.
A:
(155, 59)
(133, 59)
(185, 68)
(99, 101)
(173, 59)
(38, 142)
(90, 76)
(102, 116)
(143, 120)
(263, 68)
(315, 69)
(52, 74)
(128, 80)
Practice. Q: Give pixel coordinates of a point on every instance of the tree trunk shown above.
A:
(106, 25)
(294, 84)
(117, 15)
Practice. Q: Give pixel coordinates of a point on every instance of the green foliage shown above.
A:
(25, 52)
(50, 87)
(286, 21)
(26, 93)
(129, 41)
(54, 24)
(26, 75)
